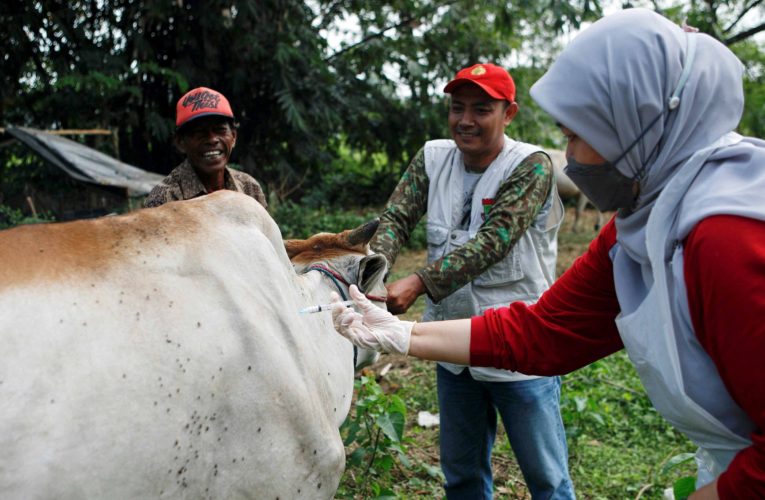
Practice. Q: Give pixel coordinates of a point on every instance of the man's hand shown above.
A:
(402, 293)
(371, 327)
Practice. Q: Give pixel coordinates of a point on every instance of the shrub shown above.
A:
(375, 433)
(10, 217)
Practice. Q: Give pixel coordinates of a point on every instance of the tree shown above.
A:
(403, 53)
(302, 101)
(123, 64)
(728, 21)
(737, 24)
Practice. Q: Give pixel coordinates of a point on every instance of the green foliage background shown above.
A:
(329, 94)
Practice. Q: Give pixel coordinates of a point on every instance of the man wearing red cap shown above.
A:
(206, 134)
(492, 220)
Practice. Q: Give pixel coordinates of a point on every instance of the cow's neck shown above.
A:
(319, 286)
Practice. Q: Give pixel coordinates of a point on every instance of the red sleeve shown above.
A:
(570, 326)
(725, 275)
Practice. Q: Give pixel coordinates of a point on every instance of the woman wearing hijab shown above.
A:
(677, 278)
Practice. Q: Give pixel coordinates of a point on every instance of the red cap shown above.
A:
(199, 102)
(494, 80)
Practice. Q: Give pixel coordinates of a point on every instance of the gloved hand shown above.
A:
(373, 328)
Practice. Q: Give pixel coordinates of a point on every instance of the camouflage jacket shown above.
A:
(183, 184)
(518, 201)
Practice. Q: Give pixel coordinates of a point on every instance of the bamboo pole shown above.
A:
(75, 131)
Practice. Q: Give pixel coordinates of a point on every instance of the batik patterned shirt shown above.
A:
(183, 184)
(517, 202)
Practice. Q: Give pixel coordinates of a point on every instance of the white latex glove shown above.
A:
(373, 328)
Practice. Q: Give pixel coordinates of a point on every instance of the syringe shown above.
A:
(323, 307)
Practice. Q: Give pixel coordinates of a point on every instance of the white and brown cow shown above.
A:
(161, 354)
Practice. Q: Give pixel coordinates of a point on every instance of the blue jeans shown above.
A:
(531, 413)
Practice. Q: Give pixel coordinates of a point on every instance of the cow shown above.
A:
(161, 354)
(568, 190)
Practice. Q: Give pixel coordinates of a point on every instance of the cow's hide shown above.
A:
(161, 354)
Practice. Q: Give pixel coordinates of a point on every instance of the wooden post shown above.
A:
(31, 204)
(116, 141)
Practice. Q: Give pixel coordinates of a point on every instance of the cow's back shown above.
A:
(161, 354)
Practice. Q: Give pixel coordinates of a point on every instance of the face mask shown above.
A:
(603, 184)
(606, 187)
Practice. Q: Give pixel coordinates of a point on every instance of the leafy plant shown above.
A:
(375, 433)
(10, 217)
(683, 487)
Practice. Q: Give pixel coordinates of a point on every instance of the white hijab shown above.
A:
(617, 76)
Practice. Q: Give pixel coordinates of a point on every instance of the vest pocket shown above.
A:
(505, 271)
(437, 236)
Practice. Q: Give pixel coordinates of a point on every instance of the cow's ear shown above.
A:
(294, 247)
(372, 270)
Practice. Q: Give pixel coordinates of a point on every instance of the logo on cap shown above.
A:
(494, 80)
(202, 99)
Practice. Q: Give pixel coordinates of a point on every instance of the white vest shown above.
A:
(526, 271)
(655, 325)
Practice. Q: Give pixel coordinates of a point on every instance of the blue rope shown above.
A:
(342, 294)
(330, 276)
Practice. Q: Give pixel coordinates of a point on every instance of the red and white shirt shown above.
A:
(573, 325)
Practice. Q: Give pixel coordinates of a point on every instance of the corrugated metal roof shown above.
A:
(86, 164)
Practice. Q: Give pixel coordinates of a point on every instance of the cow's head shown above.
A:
(345, 259)
(346, 254)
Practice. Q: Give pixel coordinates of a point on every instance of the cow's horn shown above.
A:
(362, 234)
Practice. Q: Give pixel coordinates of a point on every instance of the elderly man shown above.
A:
(206, 135)
(493, 216)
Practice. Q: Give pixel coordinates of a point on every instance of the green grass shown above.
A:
(618, 444)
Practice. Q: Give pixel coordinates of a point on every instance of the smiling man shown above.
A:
(206, 134)
(492, 221)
